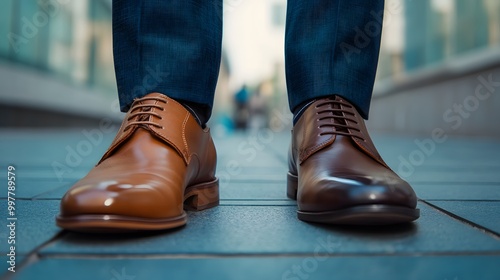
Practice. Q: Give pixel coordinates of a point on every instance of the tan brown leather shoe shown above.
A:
(337, 175)
(160, 162)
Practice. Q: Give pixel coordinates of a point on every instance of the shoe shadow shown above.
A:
(113, 238)
(378, 232)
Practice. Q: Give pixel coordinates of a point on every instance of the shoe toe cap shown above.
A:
(121, 199)
(334, 193)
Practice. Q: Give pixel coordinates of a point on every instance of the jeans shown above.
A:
(174, 47)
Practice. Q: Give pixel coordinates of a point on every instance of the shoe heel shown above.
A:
(202, 196)
(292, 184)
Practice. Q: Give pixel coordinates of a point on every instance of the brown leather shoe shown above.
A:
(337, 175)
(160, 162)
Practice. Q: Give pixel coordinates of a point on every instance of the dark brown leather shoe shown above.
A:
(337, 175)
(160, 162)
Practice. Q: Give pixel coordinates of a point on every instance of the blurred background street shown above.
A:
(434, 115)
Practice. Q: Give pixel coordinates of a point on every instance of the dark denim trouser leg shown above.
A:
(332, 47)
(171, 47)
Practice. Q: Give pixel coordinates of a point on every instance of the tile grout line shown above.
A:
(235, 200)
(462, 183)
(261, 255)
(33, 256)
(463, 220)
(463, 200)
(36, 197)
(222, 200)
(280, 180)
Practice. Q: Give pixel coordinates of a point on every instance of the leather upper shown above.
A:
(337, 163)
(159, 150)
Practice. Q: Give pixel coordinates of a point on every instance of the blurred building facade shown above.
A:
(56, 63)
(439, 68)
(67, 38)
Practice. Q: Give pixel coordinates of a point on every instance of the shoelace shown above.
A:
(337, 114)
(145, 112)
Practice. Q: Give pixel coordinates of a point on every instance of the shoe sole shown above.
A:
(196, 198)
(373, 214)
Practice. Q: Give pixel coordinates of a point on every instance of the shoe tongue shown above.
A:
(149, 102)
(144, 117)
(340, 120)
(183, 131)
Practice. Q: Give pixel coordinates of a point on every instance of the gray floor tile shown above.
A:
(235, 190)
(483, 213)
(310, 267)
(62, 174)
(28, 188)
(278, 174)
(469, 159)
(35, 224)
(255, 179)
(45, 146)
(276, 230)
(57, 193)
(5, 264)
(255, 234)
(256, 170)
(261, 159)
(470, 176)
(457, 191)
(239, 202)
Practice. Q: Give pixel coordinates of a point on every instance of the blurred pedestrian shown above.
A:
(241, 110)
(258, 109)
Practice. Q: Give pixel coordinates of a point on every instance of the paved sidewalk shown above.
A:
(254, 233)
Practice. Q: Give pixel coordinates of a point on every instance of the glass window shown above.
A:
(438, 30)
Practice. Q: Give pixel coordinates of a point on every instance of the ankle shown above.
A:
(300, 109)
(200, 112)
